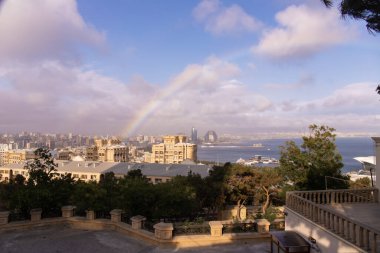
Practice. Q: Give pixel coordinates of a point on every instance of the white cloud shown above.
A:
(303, 31)
(41, 29)
(220, 20)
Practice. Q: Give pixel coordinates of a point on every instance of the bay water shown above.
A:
(349, 147)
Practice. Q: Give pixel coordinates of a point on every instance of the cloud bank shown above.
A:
(303, 31)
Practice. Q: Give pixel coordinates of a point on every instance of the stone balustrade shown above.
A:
(137, 221)
(67, 211)
(312, 206)
(216, 228)
(368, 195)
(116, 215)
(35, 214)
(163, 231)
(90, 214)
(262, 226)
(4, 216)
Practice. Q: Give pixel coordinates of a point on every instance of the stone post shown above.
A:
(377, 169)
(68, 211)
(163, 231)
(35, 214)
(216, 228)
(137, 221)
(4, 215)
(243, 213)
(262, 226)
(90, 214)
(116, 215)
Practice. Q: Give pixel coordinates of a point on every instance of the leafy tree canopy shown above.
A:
(367, 10)
(307, 167)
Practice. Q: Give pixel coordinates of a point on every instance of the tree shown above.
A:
(367, 10)
(378, 89)
(241, 185)
(308, 166)
(216, 186)
(267, 183)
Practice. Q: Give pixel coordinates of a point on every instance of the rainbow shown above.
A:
(142, 115)
(147, 110)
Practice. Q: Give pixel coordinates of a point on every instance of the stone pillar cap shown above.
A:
(138, 218)
(116, 211)
(215, 223)
(36, 210)
(68, 207)
(163, 226)
(262, 222)
(4, 213)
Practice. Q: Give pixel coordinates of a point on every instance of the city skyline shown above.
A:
(239, 67)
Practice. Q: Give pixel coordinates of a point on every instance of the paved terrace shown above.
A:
(63, 238)
(352, 214)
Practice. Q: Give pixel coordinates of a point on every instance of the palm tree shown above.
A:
(367, 10)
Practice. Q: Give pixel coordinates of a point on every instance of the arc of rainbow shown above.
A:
(147, 110)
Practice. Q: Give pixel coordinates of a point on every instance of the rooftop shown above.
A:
(63, 238)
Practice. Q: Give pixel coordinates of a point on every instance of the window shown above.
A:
(75, 176)
(158, 180)
(93, 177)
(83, 176)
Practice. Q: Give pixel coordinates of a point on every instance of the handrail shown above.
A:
(340, 196)
(312, 205)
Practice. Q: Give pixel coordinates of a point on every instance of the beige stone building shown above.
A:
(92, 171)
(18, 156)
(107, 150)
(174, 149)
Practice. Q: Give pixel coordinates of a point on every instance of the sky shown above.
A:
(126, 67)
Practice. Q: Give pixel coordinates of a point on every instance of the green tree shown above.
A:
(268, 182)
(216, 183)
(308, 166)
(360, 183)
(241, 185)
(367, 10)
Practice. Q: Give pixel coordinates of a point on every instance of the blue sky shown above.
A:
(160, 67)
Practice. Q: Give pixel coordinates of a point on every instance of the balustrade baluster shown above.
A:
(340, 226)
(346, 234)
(366, 239)
(353, 233)
(373, 240)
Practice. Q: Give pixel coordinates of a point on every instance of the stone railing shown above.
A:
(312, 206)
(369, 195)
(162, 231)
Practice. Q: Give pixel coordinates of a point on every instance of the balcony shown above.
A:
(352, 215)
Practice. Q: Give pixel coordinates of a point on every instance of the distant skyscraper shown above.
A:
(211, 136)
(194, 135)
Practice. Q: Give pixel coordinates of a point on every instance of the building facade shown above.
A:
(107, 150)
(18, 156)
(174, 149)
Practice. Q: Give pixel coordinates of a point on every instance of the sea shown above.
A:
(349, 147)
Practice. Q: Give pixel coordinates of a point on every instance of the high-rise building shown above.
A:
(194, 135)
(211, 136)
(174, 149)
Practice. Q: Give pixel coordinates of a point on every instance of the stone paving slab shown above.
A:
(64, 239)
